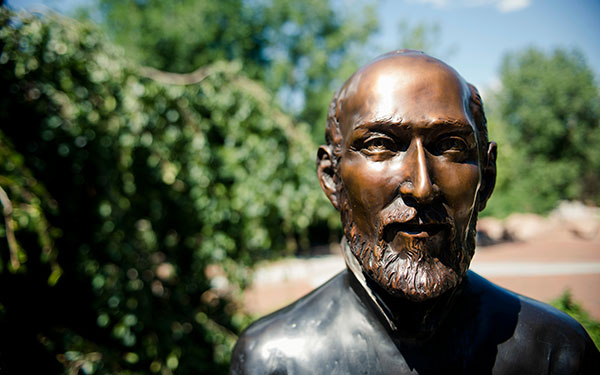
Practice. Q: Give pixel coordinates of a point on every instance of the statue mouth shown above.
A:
(413, 230)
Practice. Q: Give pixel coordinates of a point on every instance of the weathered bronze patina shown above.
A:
(408, 164)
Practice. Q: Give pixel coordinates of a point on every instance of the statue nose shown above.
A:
(417, 184)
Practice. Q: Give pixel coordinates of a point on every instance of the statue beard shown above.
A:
(417, 269)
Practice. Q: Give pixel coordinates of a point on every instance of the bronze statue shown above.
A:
(408, 164)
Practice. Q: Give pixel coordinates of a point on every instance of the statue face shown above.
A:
(409, 174)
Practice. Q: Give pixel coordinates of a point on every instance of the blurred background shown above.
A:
(157, 174)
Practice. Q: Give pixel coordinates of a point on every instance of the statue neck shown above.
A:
(414, 321)
(408, 320)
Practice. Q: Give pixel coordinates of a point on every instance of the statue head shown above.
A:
(408, 164)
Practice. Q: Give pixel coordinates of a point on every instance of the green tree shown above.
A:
(548, 121)
(127, 199)
(298, 49)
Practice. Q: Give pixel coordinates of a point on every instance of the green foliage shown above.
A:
(131, 199)
(25, 212)
(547, 124)
(566, 303)
(301, 50)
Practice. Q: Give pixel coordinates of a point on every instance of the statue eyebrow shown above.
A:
(379, 125)
(451, 121)
(387, 125)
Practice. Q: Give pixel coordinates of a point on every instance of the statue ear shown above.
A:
(488, 176)
(326, 173)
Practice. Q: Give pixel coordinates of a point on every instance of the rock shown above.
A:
(580, 220)
(587, 230)
(523, 227)
(490, 231)
(569, 210)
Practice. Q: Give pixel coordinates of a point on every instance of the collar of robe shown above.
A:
(356, 270)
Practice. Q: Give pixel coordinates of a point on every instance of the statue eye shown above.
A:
(378, 144)
(378, 147)
(450, 144)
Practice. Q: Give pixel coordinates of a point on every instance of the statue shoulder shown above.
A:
(536, 337)
(569, 347)
(279, 342)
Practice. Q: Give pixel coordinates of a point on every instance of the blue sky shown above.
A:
(478, 32)
(484, 30)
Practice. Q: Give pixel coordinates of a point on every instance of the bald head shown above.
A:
(400, 87)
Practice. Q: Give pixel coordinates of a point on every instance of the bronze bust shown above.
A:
(408, 164)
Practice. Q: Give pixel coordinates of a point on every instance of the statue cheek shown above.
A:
(460, 188)
(367, 185)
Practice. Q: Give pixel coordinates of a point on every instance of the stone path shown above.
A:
(541, 268)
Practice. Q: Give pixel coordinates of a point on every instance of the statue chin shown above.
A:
(417, 281)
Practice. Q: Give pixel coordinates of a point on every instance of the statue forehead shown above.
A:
(403, 88)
